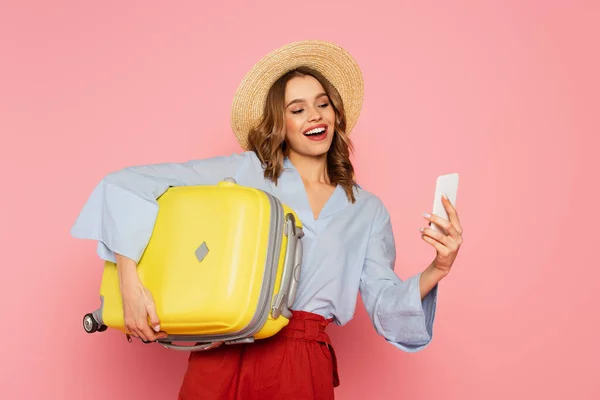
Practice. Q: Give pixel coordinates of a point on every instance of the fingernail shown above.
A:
(157, 328)
(422, 229)
(426, 215)
(446, 197)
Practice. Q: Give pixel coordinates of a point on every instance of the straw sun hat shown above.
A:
(335, 63)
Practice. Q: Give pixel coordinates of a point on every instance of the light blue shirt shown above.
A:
(348, 249)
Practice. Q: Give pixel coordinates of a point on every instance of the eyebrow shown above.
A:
(302, 100)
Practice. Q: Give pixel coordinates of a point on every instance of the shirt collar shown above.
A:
(292, 181)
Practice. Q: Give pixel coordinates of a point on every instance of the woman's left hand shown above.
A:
(446, 245)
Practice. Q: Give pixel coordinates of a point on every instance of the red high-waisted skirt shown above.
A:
(297, 363)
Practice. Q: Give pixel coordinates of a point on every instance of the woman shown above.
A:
(292, 115)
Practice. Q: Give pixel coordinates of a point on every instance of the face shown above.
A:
(309, 117)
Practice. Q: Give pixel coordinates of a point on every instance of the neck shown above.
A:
(311, 169)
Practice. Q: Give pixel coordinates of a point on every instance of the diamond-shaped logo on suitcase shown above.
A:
(201, 251)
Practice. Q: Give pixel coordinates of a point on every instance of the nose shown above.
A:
(314, 115)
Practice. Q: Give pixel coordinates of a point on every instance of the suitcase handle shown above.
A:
(296, 270)
(291, 269)
(196, 347)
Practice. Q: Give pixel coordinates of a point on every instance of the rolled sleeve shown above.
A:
(395, 306)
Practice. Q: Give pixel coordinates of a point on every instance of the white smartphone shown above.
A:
(448, 185)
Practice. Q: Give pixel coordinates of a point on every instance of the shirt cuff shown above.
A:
(408, 328)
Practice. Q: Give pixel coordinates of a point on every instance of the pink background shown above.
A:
(505, 94)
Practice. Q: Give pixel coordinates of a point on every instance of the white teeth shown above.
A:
(316, 130)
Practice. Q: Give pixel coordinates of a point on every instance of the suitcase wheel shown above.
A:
(91, 325)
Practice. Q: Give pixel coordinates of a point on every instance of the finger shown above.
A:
(453, 232)
(444, 223)
(436, 235)
(130, 328)
(162, 335)
(153, 317)
(138, 334)
(149, 333)
(437, 245)
(142, 328)
(452, 213)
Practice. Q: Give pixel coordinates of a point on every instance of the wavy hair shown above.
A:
(267, 139)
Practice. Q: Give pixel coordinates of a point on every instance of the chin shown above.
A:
(308, 148)
(317, 149)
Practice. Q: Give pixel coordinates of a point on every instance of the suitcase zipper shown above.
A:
(272, 262)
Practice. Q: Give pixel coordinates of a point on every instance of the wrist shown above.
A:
(128, 275)
(435, 274)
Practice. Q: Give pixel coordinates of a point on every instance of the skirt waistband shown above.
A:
(309, 326)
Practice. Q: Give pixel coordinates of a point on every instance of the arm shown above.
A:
(429, 279)
(122, 209)
(139, 310)
(403, 312)
(120, 214)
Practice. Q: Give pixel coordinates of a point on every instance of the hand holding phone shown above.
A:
(448, 185)
(446, 243)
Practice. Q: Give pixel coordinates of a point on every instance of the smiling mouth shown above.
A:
(316, 131)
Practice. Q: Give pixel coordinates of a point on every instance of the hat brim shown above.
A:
(335, 63)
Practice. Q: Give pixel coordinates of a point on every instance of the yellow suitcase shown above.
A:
(222, 264)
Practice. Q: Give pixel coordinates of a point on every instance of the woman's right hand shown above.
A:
(139, 309)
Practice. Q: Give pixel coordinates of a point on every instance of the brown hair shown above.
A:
(267, 139)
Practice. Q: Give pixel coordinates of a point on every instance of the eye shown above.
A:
(324, 105)
(297, 111)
